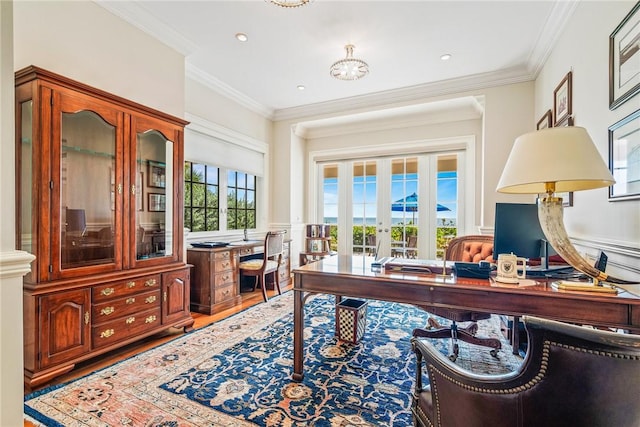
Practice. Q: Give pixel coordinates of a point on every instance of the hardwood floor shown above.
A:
(249, 299)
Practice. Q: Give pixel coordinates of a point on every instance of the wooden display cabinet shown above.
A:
(83, 162)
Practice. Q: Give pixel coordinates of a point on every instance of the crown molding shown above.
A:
(140, 18)
(196, 74)
(407, 94)
(549, 34)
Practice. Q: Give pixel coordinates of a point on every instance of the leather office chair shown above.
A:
(571, 376)
(471, 248)
(268, 264)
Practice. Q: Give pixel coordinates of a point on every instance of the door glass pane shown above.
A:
(87, 177)
(404, 207)
(27, 236)
(330, 202)
(153, 201)
(364, 207)
(447, 199)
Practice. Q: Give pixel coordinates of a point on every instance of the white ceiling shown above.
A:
(491, 42)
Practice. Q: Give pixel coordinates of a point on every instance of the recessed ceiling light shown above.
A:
(446, 57)
(242, 37)
(301, 87)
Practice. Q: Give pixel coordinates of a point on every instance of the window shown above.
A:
(201, 197)
(241, 200)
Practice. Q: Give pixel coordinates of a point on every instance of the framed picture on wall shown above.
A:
(157, 174)
(545, 121)
(624, 158)
(562, 100)
(624, 59)
(157, 202)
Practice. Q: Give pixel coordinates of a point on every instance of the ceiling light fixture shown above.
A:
(446, 57)
(349, 68)
(242, 37)
(289, 3)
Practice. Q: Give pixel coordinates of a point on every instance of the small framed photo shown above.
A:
(545, 121)
(562, 100)
(624, 158)
(157, 174)
(624, 59)
(157, 202)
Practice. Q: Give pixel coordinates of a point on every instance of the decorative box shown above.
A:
(351, 320)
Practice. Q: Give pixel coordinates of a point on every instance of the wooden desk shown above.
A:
(215, 278)
(345, 275)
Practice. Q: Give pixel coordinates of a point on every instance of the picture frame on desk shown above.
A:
(624, 57)
(562, 103)
(624, 158)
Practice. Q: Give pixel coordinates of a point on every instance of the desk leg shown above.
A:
(298, 333)
(515, 335)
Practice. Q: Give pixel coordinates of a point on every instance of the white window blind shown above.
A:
(212, 150)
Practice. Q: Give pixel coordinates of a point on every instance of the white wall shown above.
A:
(584, 50)
(85, 42)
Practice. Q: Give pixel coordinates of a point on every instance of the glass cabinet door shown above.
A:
(153, 191)
(90, 190)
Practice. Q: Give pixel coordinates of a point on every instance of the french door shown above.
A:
(402, 206)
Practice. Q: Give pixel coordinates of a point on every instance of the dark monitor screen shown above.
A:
(517, 229)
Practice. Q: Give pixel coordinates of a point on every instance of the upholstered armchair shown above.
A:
(471, 248)
(571, 376)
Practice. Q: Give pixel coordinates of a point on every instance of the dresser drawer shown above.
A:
(119, 289)
(124, 327)
(223, 265)
(225, 292)
(124, 306)
(224, 278)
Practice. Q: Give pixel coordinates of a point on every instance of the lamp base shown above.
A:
(550, 214)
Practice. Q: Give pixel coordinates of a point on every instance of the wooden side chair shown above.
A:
(471, 248)
(268, 264)
(571, 376)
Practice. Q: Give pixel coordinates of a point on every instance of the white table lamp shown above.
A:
(557, 160)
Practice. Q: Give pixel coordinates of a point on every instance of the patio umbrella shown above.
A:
(410, 204)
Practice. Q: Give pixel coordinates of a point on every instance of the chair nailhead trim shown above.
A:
(538, 377)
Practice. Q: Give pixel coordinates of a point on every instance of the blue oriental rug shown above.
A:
(237, 372)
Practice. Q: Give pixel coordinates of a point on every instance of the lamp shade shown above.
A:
(563, 156)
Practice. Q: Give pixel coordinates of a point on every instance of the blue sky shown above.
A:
(364, 197)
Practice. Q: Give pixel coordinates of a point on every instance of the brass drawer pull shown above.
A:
(131, 285)
(150, 299)
(107, 333)
(107, 311)
(150, 282)
(130, 320)
(150, 319)
(130, 300)
(107, 291)
(226, 264)
(225, 293)
(86, 318)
